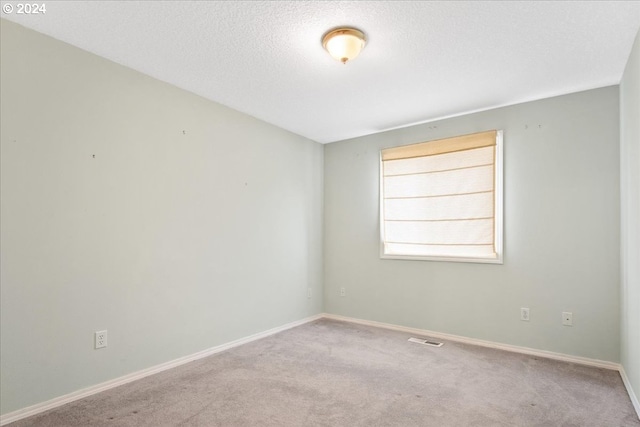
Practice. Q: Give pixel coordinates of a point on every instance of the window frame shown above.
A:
(498, 214)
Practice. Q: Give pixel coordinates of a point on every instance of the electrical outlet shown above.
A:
(567, 318)
(524, 314)
(101, 339)
(308, 292)
(343, 292)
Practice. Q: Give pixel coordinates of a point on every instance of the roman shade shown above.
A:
(439, 198)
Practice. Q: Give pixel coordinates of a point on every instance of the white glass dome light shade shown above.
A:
(344, 44)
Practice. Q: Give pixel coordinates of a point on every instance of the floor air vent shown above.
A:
(426, 342)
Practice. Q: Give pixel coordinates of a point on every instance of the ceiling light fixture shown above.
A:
(344, 44)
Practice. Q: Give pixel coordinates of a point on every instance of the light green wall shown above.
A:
(630, 223)
(194, 224)
(562, 235)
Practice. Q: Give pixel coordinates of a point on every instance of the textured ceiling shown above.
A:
(423, 60)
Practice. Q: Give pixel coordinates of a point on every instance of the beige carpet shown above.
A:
(330, 373)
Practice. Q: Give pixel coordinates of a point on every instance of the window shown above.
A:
(442, 200)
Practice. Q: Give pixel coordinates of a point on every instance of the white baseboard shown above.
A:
(490, 344)
(80, 394)
(632, 395)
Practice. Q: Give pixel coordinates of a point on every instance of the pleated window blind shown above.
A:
(443, 199)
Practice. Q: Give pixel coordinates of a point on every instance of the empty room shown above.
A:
(310, 213)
